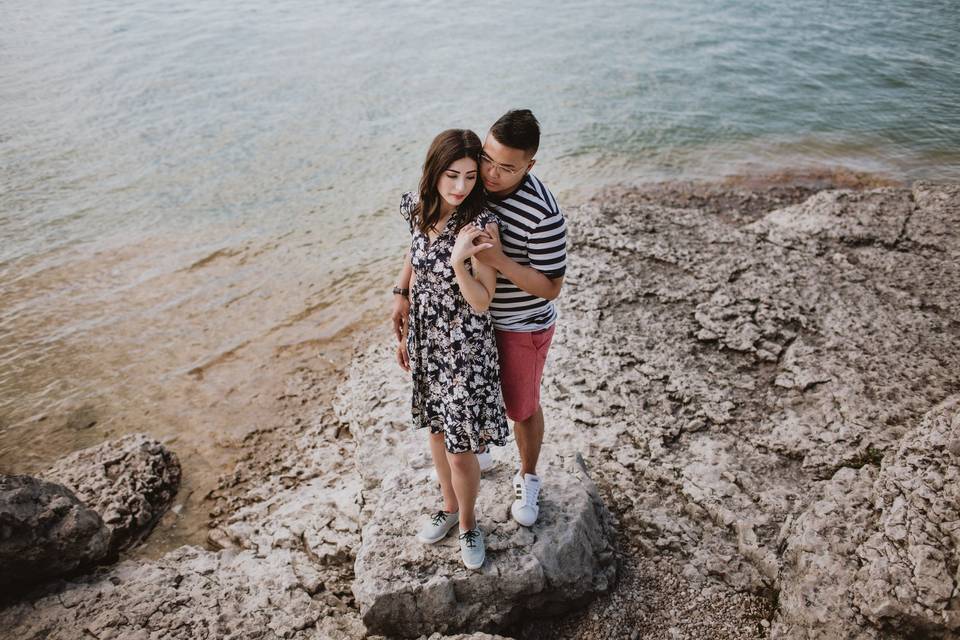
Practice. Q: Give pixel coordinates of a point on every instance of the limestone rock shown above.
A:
(45, 531)
(189, 594)
(820, 565)
(909, 565)
(405, 588)
(130, 482)
(876, 216)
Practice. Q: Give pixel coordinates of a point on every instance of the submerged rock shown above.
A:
(130, 482)
(45, 532)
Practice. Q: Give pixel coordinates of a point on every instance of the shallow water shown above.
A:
(195, 200)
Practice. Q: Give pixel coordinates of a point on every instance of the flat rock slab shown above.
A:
(45, 531)
(130, 482)
(877, 553)
(188, 594)
(405, 588)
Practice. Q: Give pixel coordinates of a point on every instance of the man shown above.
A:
(529, 252)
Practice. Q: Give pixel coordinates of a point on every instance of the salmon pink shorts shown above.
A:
(522, 355)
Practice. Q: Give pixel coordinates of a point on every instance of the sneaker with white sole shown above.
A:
(438, 526)
(526, 507)
(472, 548)
(485, 460)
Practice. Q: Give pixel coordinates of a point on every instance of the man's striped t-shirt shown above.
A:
(533, 233)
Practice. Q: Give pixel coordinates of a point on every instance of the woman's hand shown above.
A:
(403, 358)
(491, 237)
(464, 248)
(400, 316)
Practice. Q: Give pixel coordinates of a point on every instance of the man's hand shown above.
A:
(400, 316)
(491, 236)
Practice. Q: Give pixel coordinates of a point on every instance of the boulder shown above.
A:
(820, 563)
(189, 594)
(405, 588)
(877, 552)
(909, 565)
(130, 482)
(45, 532)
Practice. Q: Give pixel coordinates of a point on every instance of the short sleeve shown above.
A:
(547, 246)
(408, 204)
(487, 217)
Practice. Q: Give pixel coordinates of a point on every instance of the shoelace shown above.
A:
(532, 491)
(471, 537)
(439, 518)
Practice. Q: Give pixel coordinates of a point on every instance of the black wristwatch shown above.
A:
(401, 291)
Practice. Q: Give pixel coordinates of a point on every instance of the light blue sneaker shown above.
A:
(438, 526)
(472, 549)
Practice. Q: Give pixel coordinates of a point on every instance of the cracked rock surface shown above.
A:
(130, 482)
(740, 377)
(763, 386)
(405, 588)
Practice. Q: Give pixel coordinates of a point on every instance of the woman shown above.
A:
(450, 346)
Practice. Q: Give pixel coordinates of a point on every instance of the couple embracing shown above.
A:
(473, 313)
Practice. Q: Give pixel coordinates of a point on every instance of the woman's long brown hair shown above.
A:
(448, 147)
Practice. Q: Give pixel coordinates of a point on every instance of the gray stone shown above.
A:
(130, 482)
(405, 588)
(745, 389)
(45, 532)
(820, 562)
(909, 563)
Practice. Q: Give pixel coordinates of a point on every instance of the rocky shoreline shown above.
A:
(762, 383)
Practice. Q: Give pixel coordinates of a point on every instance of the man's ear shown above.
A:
(533, 161)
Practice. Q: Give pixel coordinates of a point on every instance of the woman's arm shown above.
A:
(401, 304)
(526, 278)
(403, 357)
(477, 288)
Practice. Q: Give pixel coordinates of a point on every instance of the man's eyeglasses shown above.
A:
(510, 171)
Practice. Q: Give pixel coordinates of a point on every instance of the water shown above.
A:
(199, 199)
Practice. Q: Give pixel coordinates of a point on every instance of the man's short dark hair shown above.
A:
(518, 129)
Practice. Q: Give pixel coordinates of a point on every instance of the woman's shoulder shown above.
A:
(408, 200)
(408, 205)
(487, 217)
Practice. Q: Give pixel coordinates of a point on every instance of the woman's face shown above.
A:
(457, 181)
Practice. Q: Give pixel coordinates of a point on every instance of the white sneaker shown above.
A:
(438, 526)
(526, 507)
(485, 459)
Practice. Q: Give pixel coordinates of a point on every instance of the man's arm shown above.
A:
(527, 278)
(401, 304)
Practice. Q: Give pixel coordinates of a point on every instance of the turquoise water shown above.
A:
(196, 198)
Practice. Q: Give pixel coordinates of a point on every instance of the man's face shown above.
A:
(502, 168)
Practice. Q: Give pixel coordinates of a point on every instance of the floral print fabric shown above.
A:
(452, 348)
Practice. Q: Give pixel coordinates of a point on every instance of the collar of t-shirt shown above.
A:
(497, 199)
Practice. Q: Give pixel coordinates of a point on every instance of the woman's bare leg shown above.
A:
(465, 473)
(439, 453)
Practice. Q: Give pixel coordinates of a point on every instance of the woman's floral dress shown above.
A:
(452, 348)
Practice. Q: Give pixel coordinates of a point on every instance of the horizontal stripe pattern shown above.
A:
(534, 233)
